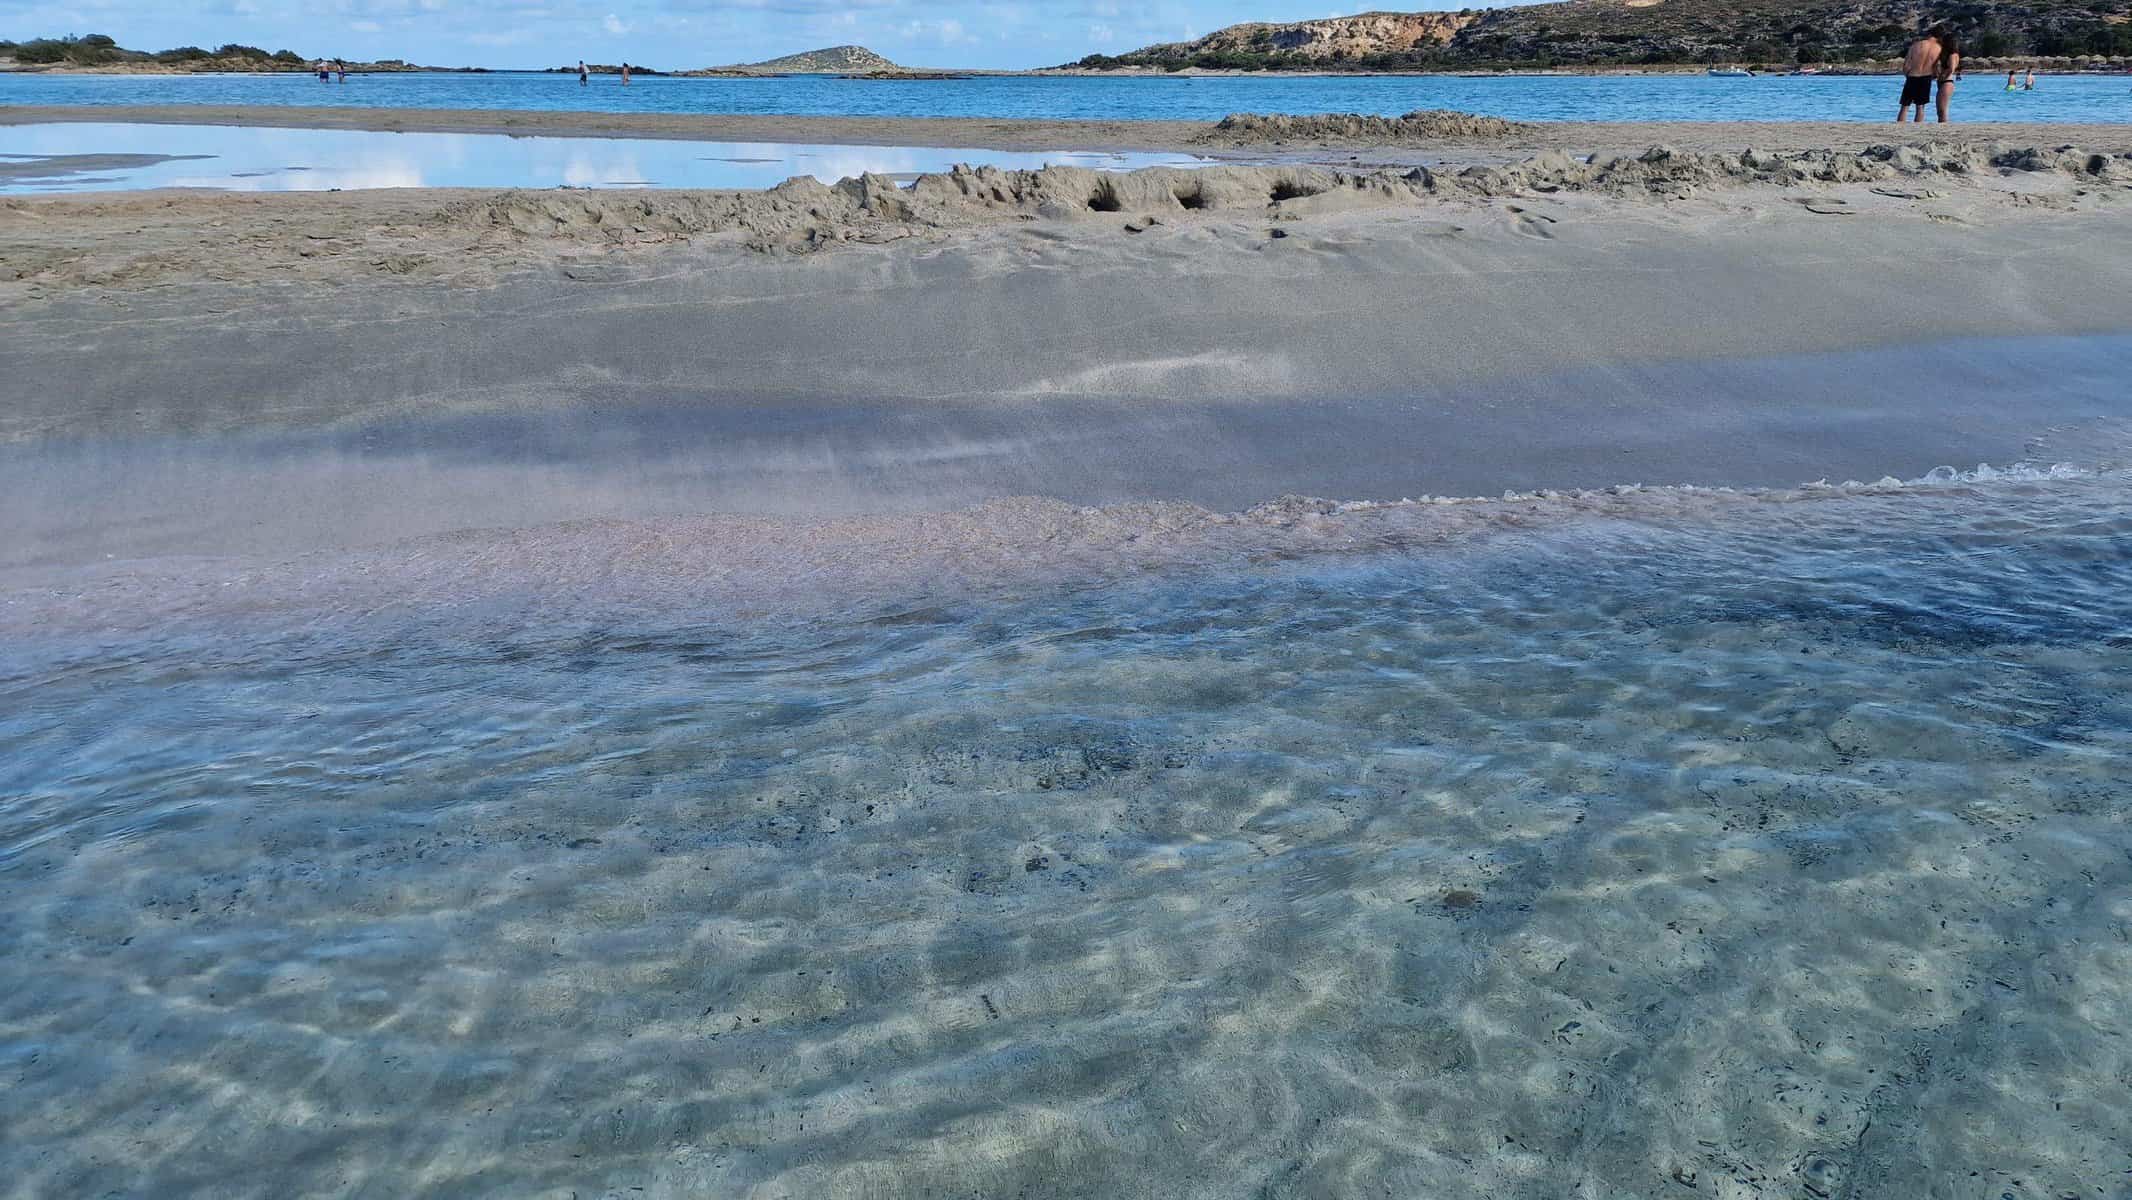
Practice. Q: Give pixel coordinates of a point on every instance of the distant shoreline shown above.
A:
(1977, 66)
(160, 69)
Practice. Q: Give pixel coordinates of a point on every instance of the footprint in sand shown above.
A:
(1827, 207)
(1530, 224)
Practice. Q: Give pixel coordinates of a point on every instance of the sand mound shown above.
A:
(803, 213)
(1665, 172)
(1425, 125)
(131, 240)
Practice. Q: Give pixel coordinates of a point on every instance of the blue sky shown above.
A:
(662, 33)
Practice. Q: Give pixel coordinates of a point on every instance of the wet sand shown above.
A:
(1459, 347)
(1468, 348)
(215, 314)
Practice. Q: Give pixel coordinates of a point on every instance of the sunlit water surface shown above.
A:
(1733, 846)
(1692, 97)
(97, 156)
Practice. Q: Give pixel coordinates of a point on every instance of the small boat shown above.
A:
(1731, 73)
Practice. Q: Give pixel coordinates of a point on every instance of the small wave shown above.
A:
(1936, 477)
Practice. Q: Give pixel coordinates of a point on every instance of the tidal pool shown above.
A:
(68, 157)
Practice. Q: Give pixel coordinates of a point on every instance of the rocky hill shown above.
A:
(835, 60)
(1645, 32)
(1330, 40)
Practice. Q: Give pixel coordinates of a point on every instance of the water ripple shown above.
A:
(1781, 849)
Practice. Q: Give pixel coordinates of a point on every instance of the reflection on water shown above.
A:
(1761, 848)
(103, 157)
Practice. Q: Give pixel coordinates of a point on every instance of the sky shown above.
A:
(669, 34)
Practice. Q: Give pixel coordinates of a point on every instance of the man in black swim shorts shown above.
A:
(1921, 64)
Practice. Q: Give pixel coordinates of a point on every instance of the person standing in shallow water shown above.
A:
(1921, 65)
(1950, 69)
(625, 74)
(583, 76)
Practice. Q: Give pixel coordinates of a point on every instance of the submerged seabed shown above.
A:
(1619, 845)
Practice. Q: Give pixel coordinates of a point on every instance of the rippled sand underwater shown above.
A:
(1781, 852)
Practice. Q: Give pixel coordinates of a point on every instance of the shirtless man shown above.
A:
(1921, 65)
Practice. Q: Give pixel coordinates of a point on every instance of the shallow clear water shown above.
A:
(1522, 97)
(1610, 847)
(102, 157)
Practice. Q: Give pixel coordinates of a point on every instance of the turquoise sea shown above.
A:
(2073, 98)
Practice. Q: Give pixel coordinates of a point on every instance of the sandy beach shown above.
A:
(1587, 661)
(1140, 291)
(1216, 337)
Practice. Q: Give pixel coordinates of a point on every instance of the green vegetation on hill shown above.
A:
(1602, 33)
(99, 50)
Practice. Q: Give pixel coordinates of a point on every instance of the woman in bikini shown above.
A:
(1950, 69)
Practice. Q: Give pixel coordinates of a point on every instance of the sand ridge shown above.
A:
(130, 240)
(806, 213)
(1421, 127)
